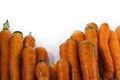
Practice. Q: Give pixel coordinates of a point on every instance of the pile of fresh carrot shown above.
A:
(90, 55)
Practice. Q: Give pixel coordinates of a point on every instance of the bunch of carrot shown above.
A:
(92, 55)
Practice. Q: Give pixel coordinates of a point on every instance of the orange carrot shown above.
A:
(92, 25)
(104, 33)
(16, 46)
(5, 36)
(118, 32)
(92, 35)
(29, 41)
(115, 52)
(29, 63)
(63, 70)
(78, 35)
(42, 54)
(72, 53)
(63, 51)
(88, 61)
(42, 71)
(53, 73)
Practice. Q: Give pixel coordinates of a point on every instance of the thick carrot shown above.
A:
(53, 73)
(72, 53)
(78, 35)
(5, 36)
(88, 62)
(104, 33)
(16, 46)
(42, 71)
(42, 54)
(115, 52)
(63, 70)
(29, 63)
(29, 40)
(63, 51)
(92, 35)
(118, 32)
(92, 25)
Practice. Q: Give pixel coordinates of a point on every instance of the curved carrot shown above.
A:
(5, 36)
(104, 33)
(42, 54)
(53, 73)
(63, 51)
(115, 52)
(91, 25)
(29, 41)
(92, 35)
(42, 71)
(63, 70)
(88, 62)
(72, 53)
(78, 35)
(29, 63)
(16, 46)
(118, 32)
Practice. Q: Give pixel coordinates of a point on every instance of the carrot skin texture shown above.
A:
(16, 46)
(63, 51)
(42, 54)
(88, 61)
(115, 52)
(29, 63)
(42, 71)
(5, 36)
(63, 70)
(53, 73)
(117, 30)
(29, 40)
(91, 25)
(104, 33)
(72, 51)
(78, 35)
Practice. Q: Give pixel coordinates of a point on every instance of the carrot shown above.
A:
(118, 32)
(16, 46)
(72, 53)
(29, 63)
(92, 25)
(5, 36)
(63, 70)
(115, 52)
(88, 61)
(42, 71)
(29, 40)
(92, 35)
(104, 33)
(42, 54)
(78, 35)
(53, 73)
(63, 51)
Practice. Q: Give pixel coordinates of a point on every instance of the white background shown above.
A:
(53, 21)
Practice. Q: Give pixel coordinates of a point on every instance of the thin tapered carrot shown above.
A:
(28, 63)
(63, 51)
(92, 35)
(104, 33)
(16, 46)
(115, 52)
(42, 71)
(53, 73)
(5, 36)
(78, 35)
(63, 70)
(72, 53)
(88, 62)
(42, 54)
(117, 30)
(92, 25)
(29, 40)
